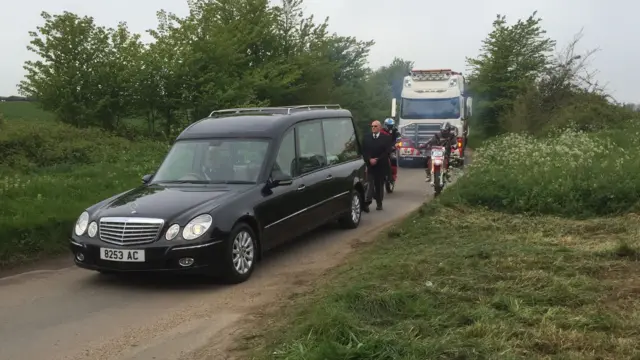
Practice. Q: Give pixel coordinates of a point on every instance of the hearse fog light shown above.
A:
(172, 232)
(93, 229)
(186, 262)
(196, 227)
(82, 223)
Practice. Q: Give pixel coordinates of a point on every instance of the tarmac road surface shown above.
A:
(70, 313)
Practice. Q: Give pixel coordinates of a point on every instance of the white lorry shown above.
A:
(429, 99)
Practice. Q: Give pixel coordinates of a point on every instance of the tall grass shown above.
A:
(567, 173)
(50, 172)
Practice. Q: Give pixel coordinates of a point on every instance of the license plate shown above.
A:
(122, 255)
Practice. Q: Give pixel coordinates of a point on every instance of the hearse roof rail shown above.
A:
(282, 110)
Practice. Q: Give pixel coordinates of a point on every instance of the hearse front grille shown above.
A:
(130, 230)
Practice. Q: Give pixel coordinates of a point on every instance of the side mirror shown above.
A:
(147, 178)
(393, 107)
(469, 107)
(280, 179)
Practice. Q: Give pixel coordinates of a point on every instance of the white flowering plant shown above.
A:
(566, 173)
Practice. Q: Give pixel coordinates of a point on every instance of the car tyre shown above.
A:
(351, 219)
(240, 254)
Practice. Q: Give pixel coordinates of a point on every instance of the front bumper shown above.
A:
(159, 257)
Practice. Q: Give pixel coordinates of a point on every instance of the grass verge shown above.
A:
(490, 286)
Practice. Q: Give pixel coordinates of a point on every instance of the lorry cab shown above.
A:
(429, 99)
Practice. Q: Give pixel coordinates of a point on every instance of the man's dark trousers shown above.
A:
(376, 183)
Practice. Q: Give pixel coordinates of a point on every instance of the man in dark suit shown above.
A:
(375, 150)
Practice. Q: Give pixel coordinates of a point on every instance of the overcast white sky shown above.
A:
(435, 34)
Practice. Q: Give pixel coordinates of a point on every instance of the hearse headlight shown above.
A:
(82, 223)
(196, 227)
(172, 232)
(93, 229)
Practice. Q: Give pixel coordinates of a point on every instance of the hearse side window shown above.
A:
(310, 147)
(285, 160)
(340, 140)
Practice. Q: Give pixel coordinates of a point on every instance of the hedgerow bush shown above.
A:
(32, 145)
(569, 172)
(50, 172)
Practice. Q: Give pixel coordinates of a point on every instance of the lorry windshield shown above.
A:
(430, 108)
(227, 161)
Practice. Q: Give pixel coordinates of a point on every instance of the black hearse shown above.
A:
(233, 185)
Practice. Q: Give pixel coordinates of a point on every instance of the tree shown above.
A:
(512, 58)
(70, 48)
(116, 76)
(394, 73)
(224, 53)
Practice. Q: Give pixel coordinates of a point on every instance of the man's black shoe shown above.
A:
(365, 208)
(379, 207)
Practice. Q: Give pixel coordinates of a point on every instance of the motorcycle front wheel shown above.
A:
(389, 186)
(437, 188)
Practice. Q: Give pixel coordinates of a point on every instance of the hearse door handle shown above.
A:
(329, 177)
(302, 187)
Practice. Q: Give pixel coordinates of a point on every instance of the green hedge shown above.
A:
(50, 172)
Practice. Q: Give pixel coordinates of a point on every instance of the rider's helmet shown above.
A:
(446, 130)
(389, 123)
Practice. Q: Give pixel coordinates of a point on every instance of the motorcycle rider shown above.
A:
(446, 137)
(390, 129)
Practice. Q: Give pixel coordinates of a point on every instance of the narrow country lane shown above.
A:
(76, 314)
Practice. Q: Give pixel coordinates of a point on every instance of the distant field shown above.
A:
(23, 110)
(50, 172)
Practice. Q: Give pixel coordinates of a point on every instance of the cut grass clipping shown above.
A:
(493, 286)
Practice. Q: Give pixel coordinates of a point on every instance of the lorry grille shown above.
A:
(130, 231)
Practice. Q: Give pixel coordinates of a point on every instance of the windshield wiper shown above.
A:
(231, 182)
(183, 182)
(205, 182)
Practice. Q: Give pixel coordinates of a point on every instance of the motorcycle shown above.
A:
(439, 168)
(457, 153)
(390, 181)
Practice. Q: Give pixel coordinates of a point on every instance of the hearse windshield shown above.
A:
(213, 161)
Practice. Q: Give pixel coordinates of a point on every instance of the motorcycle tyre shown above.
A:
(389, 186)
(437, 188)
